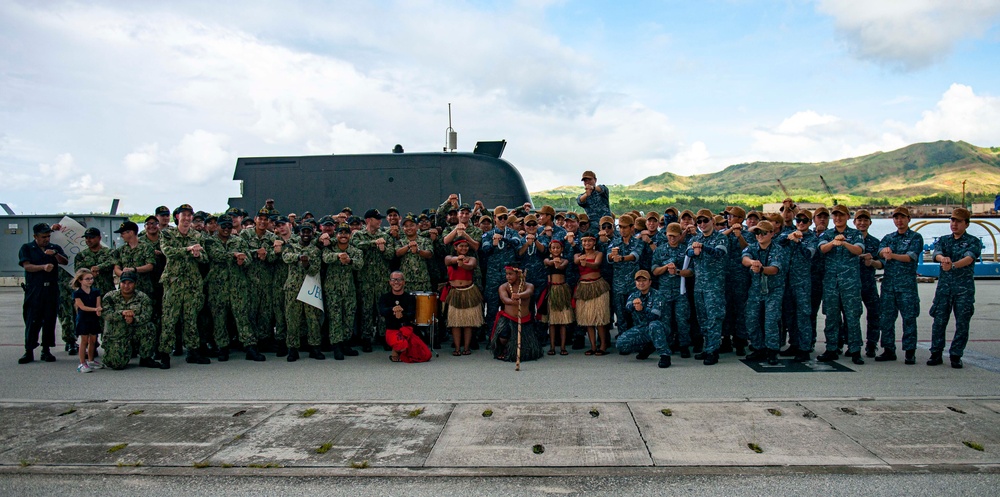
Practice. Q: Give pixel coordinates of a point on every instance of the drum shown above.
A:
(427, 308)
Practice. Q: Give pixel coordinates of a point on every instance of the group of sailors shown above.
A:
(676, 283)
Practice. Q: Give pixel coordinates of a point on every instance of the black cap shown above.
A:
(343, 227)
(128, 276)
(281, 220)
(373, 213)
(225, 221)
(151, 218)
(423, 216)
(306, 214)
(269, 201)
(185, 207)
(390, 210)
(200, 215)
(127, 226)
(353, 220)
(162, 211)
(347, 210)
(409, 218)
(264, 213)
(451, 208)
(211, 217)
(41, 228)
(233, 211)
(307, 226)
(327, 221)
(92, 232)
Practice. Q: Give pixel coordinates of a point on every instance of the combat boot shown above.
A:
(223, 354)
(726, 346)
(647, 350)
(772, 357)
(935, 359)
(757, 355)
(253, 355)
(685, 353)
(338, 355)
(802, 356)
(48, 357)
(315, 353)
(579, 342)
(193, 357)
(366, 345)
(856, 357)
(870, 350)
(829, 356)
(29, 356)
(280, 349)
(740, 346)
(149, 362)
(664, 362)
(164, 360)
(73, 349)
(348, 350)
(178, 349)
(887, 355)
(910, 357)
(956, 362)
(293, 354)
(711, 358)
(791, 351)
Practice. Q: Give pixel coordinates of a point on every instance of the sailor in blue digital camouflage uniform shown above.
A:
(801, 246)
(767, 262)
(869, 262)
(900, 252)
(842, 286)
(668, 261)
(737, 283)
(595, 199)
(623, 255)
(708, 250)
(956, 290)
(647, 334)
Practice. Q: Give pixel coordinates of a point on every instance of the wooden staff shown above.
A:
(520, 288)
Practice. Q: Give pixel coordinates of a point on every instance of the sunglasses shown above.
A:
(762, 233)
(801, 220)
(501, 218)
(584, 222)
(395, 279)
(703, 220)
(606, 226)
(531, 224)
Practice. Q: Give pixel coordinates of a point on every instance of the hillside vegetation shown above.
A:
(919, 173)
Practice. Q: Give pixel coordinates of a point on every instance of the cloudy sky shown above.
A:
(152, 102)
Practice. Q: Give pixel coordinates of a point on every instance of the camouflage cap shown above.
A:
(343, 227)
(408, 218)
(225, 221)
(465, 207)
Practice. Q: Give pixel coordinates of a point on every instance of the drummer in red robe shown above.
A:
(399, 308)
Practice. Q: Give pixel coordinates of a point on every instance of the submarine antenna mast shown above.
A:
(450, 135)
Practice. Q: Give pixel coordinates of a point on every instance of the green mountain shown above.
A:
(919, 173)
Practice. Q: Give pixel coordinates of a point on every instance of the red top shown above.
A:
(457, 273)
(586, 269)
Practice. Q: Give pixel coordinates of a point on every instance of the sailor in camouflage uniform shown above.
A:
(264, 296)
(647, 334)
(500, 246)
(708, 251)
(303, 258)
(134, 256)
(339, 296)
(870, 261)
(737, 283)
(413, 252)
(842, 286)
(127, 314)
(377, 249)
(956, 288)
(623, 254)
(800, 246)
(596, 199)
(768, 263)
(228, 289)
(151, 236)
(98, 259)
(183, 295)
(668, 259)
(900, 251)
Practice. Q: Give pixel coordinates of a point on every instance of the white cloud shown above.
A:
(961, 115)
(61, 168)
(909, 34)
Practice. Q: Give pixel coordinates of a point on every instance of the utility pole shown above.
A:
(963, 193)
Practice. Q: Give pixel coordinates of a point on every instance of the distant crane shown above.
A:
(782, 185)
(828, 190)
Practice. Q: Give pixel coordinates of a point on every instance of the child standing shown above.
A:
(87, 302)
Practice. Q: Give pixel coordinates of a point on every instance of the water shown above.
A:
(930, 232)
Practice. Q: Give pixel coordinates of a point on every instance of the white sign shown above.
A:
(312, 292)
(70, 238)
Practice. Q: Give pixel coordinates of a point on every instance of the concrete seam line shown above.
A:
(437, 438)
(645, 443)
(240, 436)
(514, 401)
(848, 435)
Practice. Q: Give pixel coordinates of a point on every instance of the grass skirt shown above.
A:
(593, 303)
(465, 307)
(559, 301)
(531, 347)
